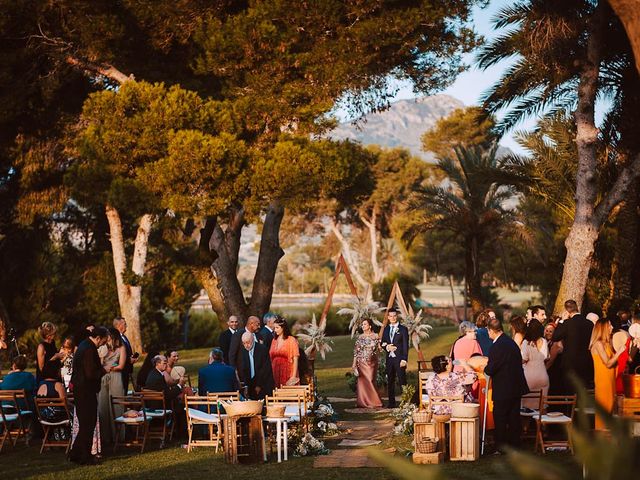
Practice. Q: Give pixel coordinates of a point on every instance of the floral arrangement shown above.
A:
(326, 429)
(360, 310)
(324, 410)
(417, 327)
(403, 415)
(309, 445)
(315, 340)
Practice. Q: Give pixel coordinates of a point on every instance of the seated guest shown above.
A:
(174, 372)
(51, 387)
(217, 377)
(465, 346)
(18, 379)
(255, 368)
(445, 382)
(156, 380)
(145, 368)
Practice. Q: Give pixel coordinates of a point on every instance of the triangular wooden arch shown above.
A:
(396, 296)
(341, 267)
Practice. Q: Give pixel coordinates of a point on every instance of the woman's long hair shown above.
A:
(116, 338)
(534, 331)
(600, 333)
(286, 332)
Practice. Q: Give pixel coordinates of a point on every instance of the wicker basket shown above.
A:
(426, 445)
(275, 411)
(442, 418)
(422, 416)
(236, 408)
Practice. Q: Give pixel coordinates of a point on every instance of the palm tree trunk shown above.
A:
(629, 14)
(473, 273)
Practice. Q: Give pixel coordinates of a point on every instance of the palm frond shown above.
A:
(314, 339)
(359, 310)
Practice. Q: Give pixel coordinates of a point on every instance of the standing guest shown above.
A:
(86, 330)
(634, 355)
(49, 359)
(574, 331)
(255, 368)
(509, 384)
(604, 362)
(68, 349)
(553, 363)
(86, 385)
(534, 351)
(174, 372)
(235, 348)
(395, 342)
(267, 332)
(465, 346)
(625, 319)
(111, 385)
(518, 329)
(216, 376)
(284, 355)
(593, 317)
(365, 366)
(120, 324)
(224, 340)
(18, 379)
(482, 334)
(539, 313)
(620, 341)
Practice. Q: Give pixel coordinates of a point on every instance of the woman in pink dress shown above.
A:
(365, 366)
(465, 346)
(284, 355)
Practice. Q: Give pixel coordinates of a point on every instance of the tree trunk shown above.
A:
(268, 258)
(453, 300)
(370, 223)
(209, 282)
(129, 295)
(473, 274)
(629, 13)
(583, 232)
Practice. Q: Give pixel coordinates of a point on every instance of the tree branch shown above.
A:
(103, 69)
(616, 194)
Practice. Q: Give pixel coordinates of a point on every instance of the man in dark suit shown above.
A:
(224, 340)
(156, 381)
(395, 342)
(235, 348)
(509, 384)
(217, 377)
(575, 334)
(266, 332)
(86, 377)
(120, 324)
(255, 368)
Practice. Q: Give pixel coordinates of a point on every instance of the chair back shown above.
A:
(550, 403)
(132, 402)
(12, 399)
(225, 395)
(152, 399)
(443, 400)
(60, 404)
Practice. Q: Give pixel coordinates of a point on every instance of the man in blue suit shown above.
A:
(217, 377)
(509, 384)
(395, 342)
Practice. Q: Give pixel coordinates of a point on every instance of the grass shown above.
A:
(174, 461)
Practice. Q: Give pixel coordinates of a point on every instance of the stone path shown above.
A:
(354, 457)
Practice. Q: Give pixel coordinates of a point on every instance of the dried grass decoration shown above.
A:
(360, 310)
(417, 326)
(314, 339)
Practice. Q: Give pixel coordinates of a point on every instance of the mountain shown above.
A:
(401, 125)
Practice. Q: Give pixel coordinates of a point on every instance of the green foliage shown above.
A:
(464, 127)
(408, 286)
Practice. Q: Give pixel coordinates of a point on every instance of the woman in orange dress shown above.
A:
(604, 363)
(284, 355)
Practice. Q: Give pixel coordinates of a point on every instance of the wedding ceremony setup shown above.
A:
(327, 238)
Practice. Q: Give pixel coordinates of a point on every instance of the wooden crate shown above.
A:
(428, 458)
(431, 430)
(464, 439)
(629, 407)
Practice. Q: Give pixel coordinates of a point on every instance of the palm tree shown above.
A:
(470, 204)
(568, 54)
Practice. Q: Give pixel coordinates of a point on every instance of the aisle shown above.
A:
(359, 434)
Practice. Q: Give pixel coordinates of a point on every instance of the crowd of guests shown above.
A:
(254, 360)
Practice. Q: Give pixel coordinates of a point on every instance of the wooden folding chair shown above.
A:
(548, 416)
(443, 400)
(307, 388)
(211, 418)
(14, 404)
(528, 413)
(423, 376)
(139, 423)
(61, 406)
(294, 403)
(155, 408)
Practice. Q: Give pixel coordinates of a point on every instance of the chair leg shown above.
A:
(189, 436)
(115, 441)
(45, 437)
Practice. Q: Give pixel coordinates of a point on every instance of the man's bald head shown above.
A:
(247, 340)
(253, 324)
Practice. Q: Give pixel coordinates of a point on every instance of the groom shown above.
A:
(395, 342)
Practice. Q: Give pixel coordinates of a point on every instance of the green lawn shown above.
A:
(203, 463)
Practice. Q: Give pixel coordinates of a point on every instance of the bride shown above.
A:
(365, 366)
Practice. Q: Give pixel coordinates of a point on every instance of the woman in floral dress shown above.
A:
(446, 383)
(365, 366)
